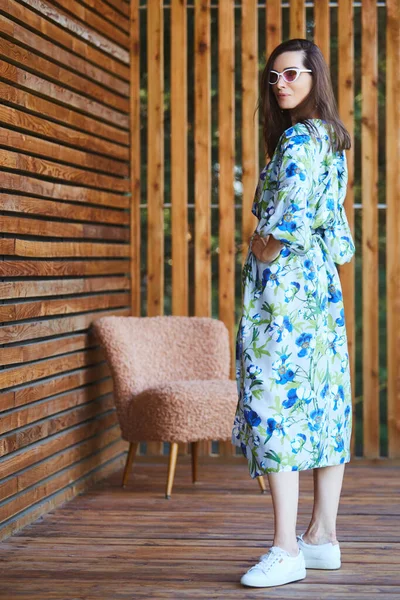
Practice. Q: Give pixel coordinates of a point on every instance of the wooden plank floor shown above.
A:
(112, 543)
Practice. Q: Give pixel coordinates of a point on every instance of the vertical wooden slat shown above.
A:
(346, 112)
(155, 159)
(202, 144)
(273, 15)
(393, 223)
(135, 156)
(179, 158)
(155, 168)
(297, 19)
(322, 34)
(249, 35)
(249, 118)
(202, 168)
(226, 156)
(369, 158)
(179, 153)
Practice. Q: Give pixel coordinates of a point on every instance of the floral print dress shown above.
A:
(292, 363)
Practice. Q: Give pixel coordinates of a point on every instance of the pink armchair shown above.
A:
(171, 382)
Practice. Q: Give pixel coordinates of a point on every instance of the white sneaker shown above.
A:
(276, 567)
(320, 556)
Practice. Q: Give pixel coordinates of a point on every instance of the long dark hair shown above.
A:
(320, 99)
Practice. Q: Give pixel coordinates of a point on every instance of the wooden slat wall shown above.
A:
(282, 18)
(64, 200)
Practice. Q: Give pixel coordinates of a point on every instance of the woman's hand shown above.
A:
(265, 249)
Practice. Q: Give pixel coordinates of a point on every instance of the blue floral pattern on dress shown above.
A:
(292, 363)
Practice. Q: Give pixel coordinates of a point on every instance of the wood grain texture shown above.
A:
(346, 113)
(273, 15)
(202, 150)
(179, 160)
(250, 160)
(226, 159)
(322, 27)
(135, 168)
(202, 167)
(65, 244)
(393, 223)
(136, 537)
(297, 18)
(155, 160)
(369, 166)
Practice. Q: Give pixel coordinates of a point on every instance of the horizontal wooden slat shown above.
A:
(40, 249)
(121, 5)
(41, 44)
(52, 228)
(55, 151)
(82, 30)
(82, 130)
(46, 368)
(63, 210)
(61, 191)
(51, 308)
(57, 269)
(54, 484)
(43, 167)
(38, 431)
(41, 350)
(39, 85)
(13, 525)
(29, 331)
(55, 464)
(23, 396)
(107, 12)
(93, 23)
(56, 287)
(43, 410)
(13, 463)
(48, 69)
(91, 55)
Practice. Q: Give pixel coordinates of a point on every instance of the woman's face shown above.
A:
(289, 95)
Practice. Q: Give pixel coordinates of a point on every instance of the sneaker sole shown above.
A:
(315, 563)
(296, 576)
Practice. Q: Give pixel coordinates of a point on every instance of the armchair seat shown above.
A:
(183, 411)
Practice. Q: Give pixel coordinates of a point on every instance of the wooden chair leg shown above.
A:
(195, 454)
(128, 465)
(262, 484)
(173, 455)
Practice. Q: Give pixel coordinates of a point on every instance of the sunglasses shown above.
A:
(289, 75)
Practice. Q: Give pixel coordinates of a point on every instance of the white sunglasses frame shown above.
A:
(299, 72)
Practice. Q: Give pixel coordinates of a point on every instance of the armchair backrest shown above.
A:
(146, 351)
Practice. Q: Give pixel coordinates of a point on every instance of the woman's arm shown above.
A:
(265, 249)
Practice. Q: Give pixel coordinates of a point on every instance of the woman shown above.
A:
(294, 408)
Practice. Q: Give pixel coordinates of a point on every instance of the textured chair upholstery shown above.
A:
(171, 377)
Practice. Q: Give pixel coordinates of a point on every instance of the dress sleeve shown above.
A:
(338, 237)
(284, 205)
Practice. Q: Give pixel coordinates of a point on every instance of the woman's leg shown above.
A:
(285, 498)
(327, 488)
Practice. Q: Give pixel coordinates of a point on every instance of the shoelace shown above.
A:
(268, 560)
